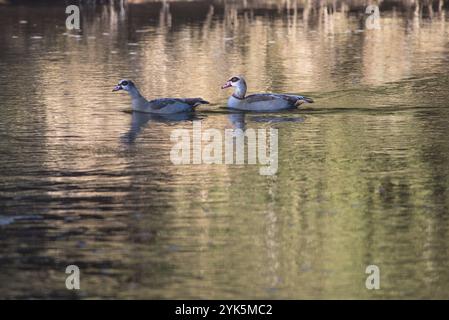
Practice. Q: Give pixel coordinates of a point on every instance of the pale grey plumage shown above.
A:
(260, 101)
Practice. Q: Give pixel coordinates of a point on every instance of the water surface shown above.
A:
(363, 172)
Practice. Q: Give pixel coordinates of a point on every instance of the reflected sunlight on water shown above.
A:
(362, 174)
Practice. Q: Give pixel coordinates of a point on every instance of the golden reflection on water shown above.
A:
(362, 175)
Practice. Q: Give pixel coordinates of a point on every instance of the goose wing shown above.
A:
(262, 97)
(159, 104)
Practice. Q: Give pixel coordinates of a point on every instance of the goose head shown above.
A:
(126, 85)
(239, 83)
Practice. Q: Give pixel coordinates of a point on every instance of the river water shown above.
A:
(362, 176)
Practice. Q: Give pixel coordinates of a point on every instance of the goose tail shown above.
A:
(302, 100)
(195, 102)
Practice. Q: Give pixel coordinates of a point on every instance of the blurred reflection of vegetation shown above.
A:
(354, 186)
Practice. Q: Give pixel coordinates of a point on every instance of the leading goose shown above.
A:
(160, 106)
(260, 101)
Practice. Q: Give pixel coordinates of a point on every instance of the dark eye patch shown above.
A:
(124, 83)
(234, 79)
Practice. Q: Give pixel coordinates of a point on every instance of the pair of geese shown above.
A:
(238, 100)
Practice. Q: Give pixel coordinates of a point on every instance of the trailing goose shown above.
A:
(260, 101)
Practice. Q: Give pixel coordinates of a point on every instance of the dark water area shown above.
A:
(363, 172)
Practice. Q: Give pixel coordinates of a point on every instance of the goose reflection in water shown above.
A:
(140, 120)
(239, 120)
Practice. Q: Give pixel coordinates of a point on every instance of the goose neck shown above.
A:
(240, 91)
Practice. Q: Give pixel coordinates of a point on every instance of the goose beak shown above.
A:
(117, 88)
(226, 85)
